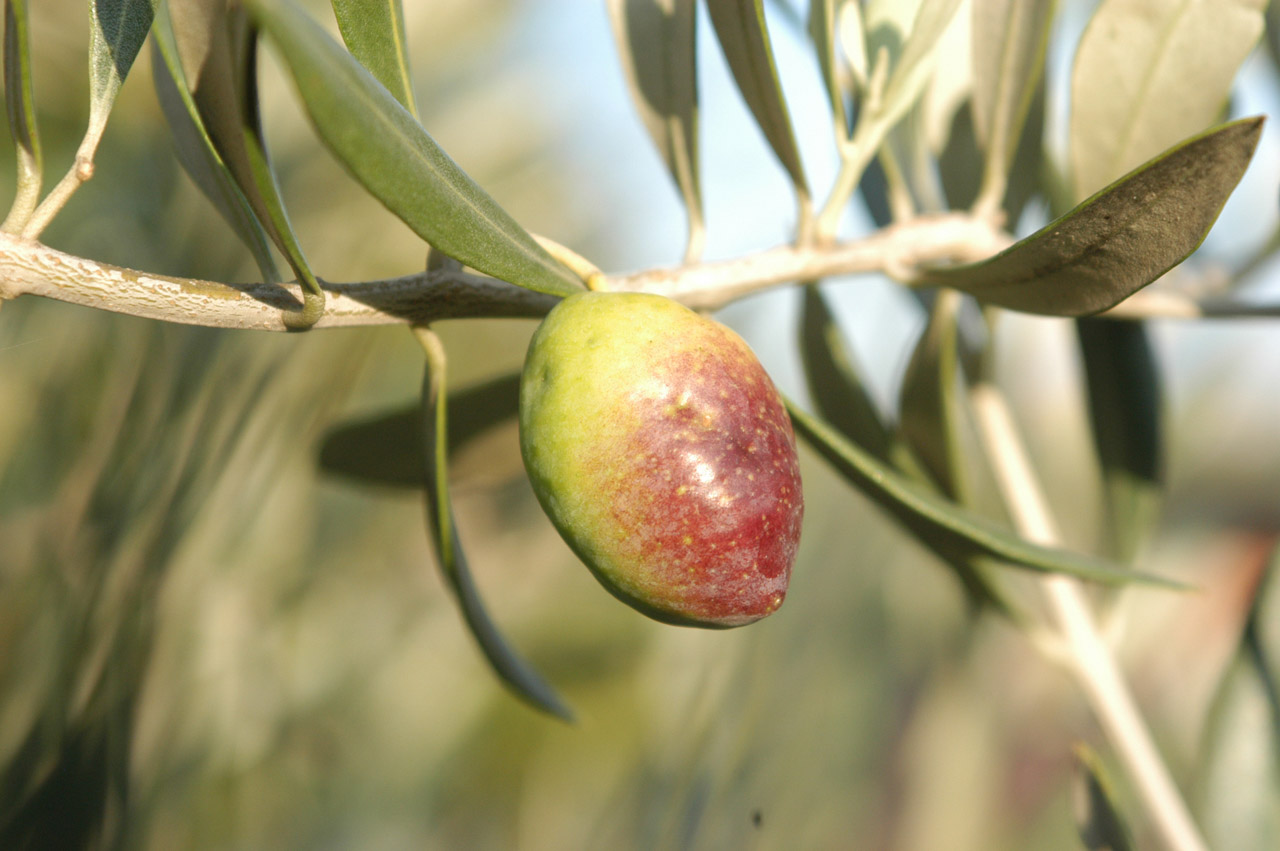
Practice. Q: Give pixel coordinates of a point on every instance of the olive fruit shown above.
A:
(662, 453)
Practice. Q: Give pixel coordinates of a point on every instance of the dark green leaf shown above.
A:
(740, 28)
(196, 150)
(658, 45)
(373, 31)
(920, 511)
(217, 50)
(514, 671)
(929, 409)
(1123, 384)
(1148, 74)
(394, 158)
(1009, 39)
(387, 449)
(1098, 819)
(117, 29)
(20, 103)
(1121, 239)
(1273, 32)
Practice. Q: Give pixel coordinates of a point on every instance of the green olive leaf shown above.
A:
(951, 84)
(386, 448)
(1123, 384)
(928, 404)
(822, 29)
(924, 513)
(117, 29)
(373, 31)
(196, 151)
(744, 38)
(913, 60)
(20, 103)
(1009, 42)
(1122, 238)
(1098, 819)
(510, 668)
(1148, 74)
(658, 46)
(390, 154)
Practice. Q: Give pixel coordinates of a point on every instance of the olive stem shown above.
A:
(1087, 655)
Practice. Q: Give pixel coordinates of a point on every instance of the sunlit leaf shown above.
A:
(373, 31)
(951, 83)
(1123, 384)
(740, 28)
(853, 38)
(822, 29)
(116, 32)
(913, 65)
(386, 449)
(658, 46)
(382, 145)
(196, 150)
(1148, 74)
(1121, 239)
(19, 93)
(1009, 41)
(924, 513)
(514, 671)
(1098, 819)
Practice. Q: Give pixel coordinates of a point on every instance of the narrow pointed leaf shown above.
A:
(514, 671)
(386, 449)
(658, 47)
(382, 145)
(1098, 819)
(20, 103)
(1148, 74)
(924, 513)
(1123, 384)
(117, 29)
(929, 410)
(951, 84)
(1009, 41)
(373, 31)
(1121, 239)
(740, 29)
(913, 67)
(196, 151)
(822, 29)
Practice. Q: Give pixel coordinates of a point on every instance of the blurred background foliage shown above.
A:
(206, 642)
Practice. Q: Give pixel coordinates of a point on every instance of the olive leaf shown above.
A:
(373, 31)
(658, 45)
(216, 48)
(923, 513)
(196, 151)
(1121, 239)
(913, 59)
(20, 103)
(1098, 819)
(744, 38)
(386, 448)
(1123, 384)
(950, 85)
(929, 409)
(514, 671)
(822, 29)
(117, 29)
(1148, 74)
(1009, 42)
(391, 155)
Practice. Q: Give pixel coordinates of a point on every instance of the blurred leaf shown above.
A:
(20, 102)
(514, 671)
(853, 38)
(1009, 41)
(914, 65)
(382, 145)
(822, 29)
(740, 28)
(373, 31)
(923, 513)
(117, 29)
(1027, 173)
(1098, 819)
(1148, 74)
(217, 51)
(1273, 32)
(1121, 239)
(960, 162)
(951, 83)
(196, 150)
(657, 44)
(387, 449)
(929, 410)
(1123, 384)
